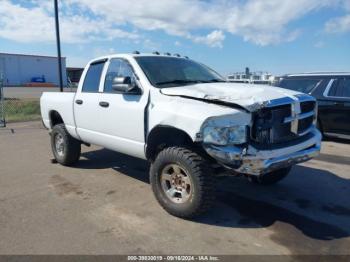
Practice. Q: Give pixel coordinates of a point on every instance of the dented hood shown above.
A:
(251, 97)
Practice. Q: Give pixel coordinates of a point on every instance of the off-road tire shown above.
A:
(270, 178)
(201, 177)
(71, 146)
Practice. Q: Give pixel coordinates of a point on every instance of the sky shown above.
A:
(277, 36)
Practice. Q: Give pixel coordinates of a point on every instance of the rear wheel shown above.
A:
(66, 149)
(182, 182)
(270, 178)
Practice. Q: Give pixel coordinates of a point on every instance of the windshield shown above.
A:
(171, 71)
(301, 85)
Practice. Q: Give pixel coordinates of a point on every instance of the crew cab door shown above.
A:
(334, 107)
(86, 105)
(122, 115)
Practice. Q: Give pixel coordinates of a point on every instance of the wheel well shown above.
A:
(55, 118)
(165, 136)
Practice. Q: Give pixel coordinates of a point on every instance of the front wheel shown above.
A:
(65, 148)
(182, 182)
(270, 178)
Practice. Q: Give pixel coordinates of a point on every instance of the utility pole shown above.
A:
(58, 46)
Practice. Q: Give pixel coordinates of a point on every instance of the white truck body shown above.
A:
(126, 124)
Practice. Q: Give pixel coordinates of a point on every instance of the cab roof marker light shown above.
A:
(167, 53)
(186, 57)
(136, 52)
(177, 55)
(156, 53)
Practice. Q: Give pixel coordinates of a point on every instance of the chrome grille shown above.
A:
(282, 123)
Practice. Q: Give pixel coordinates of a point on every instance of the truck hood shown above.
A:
(251, 97)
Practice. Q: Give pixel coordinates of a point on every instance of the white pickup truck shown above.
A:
(186, 120)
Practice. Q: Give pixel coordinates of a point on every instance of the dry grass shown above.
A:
(21, 110)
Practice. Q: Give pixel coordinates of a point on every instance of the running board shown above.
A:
(341, 136)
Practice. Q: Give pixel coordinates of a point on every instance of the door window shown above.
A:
(300, 85)
(117, 68)
(125, 70)
(335, 90)
(346, 87)
(92, 78)
(340, 88)
(112, 72)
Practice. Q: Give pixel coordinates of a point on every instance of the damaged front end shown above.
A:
(279, 134)
(252, 161)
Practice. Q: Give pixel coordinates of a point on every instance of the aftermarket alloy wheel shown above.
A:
(182, 182)
(176, 183)
(59, 144)
(66, 149)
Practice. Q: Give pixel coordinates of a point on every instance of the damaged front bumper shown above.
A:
(252, 161)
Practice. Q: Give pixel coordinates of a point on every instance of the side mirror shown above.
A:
(125, 85)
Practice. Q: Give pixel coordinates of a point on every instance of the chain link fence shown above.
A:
(17, 109)
(19, 103)
(22, 103)
(2, 106)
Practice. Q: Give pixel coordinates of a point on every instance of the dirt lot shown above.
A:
(104, 206)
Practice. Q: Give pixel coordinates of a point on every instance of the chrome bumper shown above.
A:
(252, 161)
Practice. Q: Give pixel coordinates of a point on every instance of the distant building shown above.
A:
(20, 69)
(74, 74)
(258, 77)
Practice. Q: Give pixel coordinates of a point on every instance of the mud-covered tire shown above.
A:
(270, 178)
(195, 169)
(65, 148)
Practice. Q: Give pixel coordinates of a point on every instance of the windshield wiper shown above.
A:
(214, 81)
(185, 82)
(179, 81)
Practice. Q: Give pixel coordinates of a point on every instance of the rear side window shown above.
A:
(346, 87)
(300, 85)
(92, 78)
(340, 88)
(335, 89)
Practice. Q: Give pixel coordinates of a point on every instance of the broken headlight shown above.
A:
(223, 136)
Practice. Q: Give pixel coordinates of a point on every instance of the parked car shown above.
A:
(332, 91)
(186, 121)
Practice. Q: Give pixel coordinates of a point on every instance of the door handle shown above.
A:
(338, 103)
(104, 104)
(79, 102)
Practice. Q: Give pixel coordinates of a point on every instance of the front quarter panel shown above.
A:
(189, 115)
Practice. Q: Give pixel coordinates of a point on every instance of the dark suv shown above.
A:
(332, 91)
